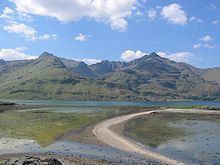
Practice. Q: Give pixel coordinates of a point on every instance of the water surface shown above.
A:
(190, 138)
(116, 103)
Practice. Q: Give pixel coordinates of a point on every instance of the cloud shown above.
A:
(174, 14)
(22, 30)
(206, 38)
(112, 12)
(48, 36)
(15, 54)
(139, 13)
(130, 55)
(91, 61)
(196, 19)
(209, 46)
(152, 14)
(205, 43)
(183, 56)
(82, 37)
(178, 56)
(119, 24)
(213, 7)
(19, 28)
(26, 31)
(7, 13)
(215, 22)
(196, 46)
(10, 14)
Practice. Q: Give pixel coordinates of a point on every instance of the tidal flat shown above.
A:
(192, 138)
(40, 129)
(46, 125)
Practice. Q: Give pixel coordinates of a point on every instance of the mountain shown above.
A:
(78, 67)
(211, 74)
(150, 77)
(2, 62)
(106, 66)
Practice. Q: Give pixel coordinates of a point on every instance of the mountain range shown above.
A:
(149, 78)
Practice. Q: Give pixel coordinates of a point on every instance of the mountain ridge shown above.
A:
(150, 77)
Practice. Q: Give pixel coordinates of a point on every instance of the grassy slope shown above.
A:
(48, 78)
(150, 78)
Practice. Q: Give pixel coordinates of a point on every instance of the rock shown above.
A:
(52, 161)
(33, 161)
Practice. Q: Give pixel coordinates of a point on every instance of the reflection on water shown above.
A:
(201, 146)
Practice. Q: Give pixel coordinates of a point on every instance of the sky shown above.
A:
(117, 30)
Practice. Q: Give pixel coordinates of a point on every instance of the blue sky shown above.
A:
(94, 30)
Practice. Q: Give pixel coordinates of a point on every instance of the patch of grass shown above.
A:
(45, 128)
(1, 163)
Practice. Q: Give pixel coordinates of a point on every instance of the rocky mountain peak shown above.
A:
(46, 55)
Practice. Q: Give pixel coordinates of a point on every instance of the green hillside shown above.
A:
(148, 78)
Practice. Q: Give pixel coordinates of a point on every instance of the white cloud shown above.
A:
(152, 14)
(10, 15)
(139, 13)
(7, 13)
(130, 55)
(205, 43)
(119, 24)
(82, 37)
(162, 54)
(196, 46)
(196, 19)
(174, 14)
(178, 56)
(112, 12)
(206, 38)
(47, 37)
(215, 22)
(91, 61)
(209, 46)
(26, 31)
(181, 56)
(15, 54)
(21, 29)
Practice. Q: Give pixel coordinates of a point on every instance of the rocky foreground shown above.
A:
(49, 160)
